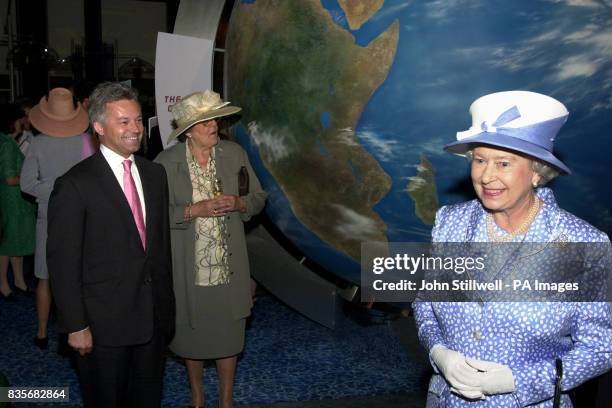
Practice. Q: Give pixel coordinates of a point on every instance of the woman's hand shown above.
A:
(204, 208)
(463, 378)
(216, 207)
(495, 378)
(228, 203)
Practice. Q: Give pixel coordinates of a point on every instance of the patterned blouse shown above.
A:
(211, 260)
(525, 336)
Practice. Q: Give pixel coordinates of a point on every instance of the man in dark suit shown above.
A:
(108, 254)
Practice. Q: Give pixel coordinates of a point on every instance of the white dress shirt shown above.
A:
(115, 161)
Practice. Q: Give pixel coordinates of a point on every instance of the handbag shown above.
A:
(558, 377)
(243, 181)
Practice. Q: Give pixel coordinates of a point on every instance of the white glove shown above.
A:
(472, 395)
(495, 378)
(464, 380)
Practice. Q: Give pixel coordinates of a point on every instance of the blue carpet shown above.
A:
(287, 358)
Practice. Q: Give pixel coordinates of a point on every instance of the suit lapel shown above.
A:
(183, 181)
(223, 165)
(148, 186)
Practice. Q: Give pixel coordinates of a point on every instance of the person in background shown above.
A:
(61, 144)
(503, 354)
(81, 90)
(211, 270)
(24, 131)
(109, 262)
(17, 215)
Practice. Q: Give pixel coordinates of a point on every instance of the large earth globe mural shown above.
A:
(347, 104)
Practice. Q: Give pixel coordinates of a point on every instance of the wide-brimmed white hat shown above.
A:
(198, 107)
(56, 115)
(523, 121)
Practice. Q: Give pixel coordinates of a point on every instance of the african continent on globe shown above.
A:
(347, 105)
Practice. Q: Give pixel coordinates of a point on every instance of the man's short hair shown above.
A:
(105, 93)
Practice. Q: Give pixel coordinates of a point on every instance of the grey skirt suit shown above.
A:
(48, 158)
(210, 321)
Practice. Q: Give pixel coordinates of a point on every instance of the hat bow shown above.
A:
(541, 134)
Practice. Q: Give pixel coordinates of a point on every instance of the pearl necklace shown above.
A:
(522, 229)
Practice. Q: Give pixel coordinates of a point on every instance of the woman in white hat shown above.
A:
(511, 354)
(213, 190)
(61, 144)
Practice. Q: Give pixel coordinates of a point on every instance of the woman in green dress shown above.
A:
(17, 215)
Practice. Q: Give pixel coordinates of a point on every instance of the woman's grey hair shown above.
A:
(545, 171)
(105, 93)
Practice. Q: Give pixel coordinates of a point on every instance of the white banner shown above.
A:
(182, 65)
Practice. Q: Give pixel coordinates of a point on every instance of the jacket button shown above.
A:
(477, 335)
(148, 280)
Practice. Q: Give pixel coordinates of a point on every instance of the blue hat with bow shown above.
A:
(522, 121)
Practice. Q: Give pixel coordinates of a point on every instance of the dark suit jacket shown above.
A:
(100, 275)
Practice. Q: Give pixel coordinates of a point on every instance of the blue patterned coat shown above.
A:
(526, 336)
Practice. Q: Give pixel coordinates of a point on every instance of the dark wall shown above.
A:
(32, 27)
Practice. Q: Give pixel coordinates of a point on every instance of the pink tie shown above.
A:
(131, 194)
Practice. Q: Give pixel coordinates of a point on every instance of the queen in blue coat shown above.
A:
(503, 354)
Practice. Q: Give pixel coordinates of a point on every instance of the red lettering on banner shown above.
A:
(172, 98)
